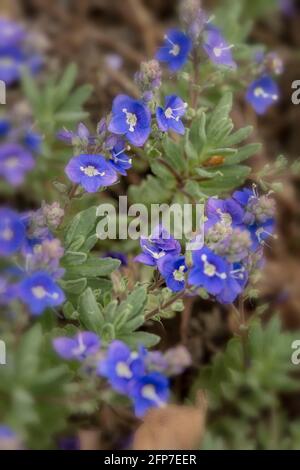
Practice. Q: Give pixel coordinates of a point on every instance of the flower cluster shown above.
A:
(140, 375)
(19, 146)
(236, 229)
(103, 157)
(15, 52)
(37, 254)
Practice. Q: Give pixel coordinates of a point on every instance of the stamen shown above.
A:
(91, 171)
(131, 119)
(218, 51)
(123, 370)
(260, 92)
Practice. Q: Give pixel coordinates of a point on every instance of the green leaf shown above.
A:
(93, 267)
(140, 338)
(75, 286)
(73, 258)
(90, 313)
(82, 225)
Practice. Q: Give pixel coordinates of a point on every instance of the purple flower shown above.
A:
(32, 141)
(261, 232)
(12, 61)
(173, 270)
(168, 118)
(12, 232)
(121, 367)
(288, 7)
(15, 162)
(7, 291)
(82, 136)
(209, 271)
(226, 211)
(257, 209)
(5, 127)
(39, 292)
(262, 93)
(83, 345)
(119, 160)
(216, 47)
(148, 391)
(117, 255)
(131, 118)
(11, 33)
(234, 285)
(155, 247)
(175, 50)
(91, 171)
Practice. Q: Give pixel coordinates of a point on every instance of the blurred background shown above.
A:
(108, 39)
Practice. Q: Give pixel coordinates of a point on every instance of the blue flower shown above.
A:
(175, 50)
(83, 345)
(91, 171)
(155, 247)
(33, 141)
(261, 232)
(12, 232)
(234, 285)
(6, 432)
(257, 209)
(148, 391)
(7, 290)
(226, 211)
(15, 162)
(12, 61)
(5, 127)
(38, 291)
(216, 47)
(262, 93)
(173, 270)
(82, 136)
(119, 160)
(209, 271)
(121, 367)
(11, 33)
(131, 118)
(168, 118)
(117, 255)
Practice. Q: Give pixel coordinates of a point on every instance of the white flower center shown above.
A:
(175, 50)
(123, 370)
(149, 392)
(6, 62)
(260, 93)
(7, 234)
(131, 120)
(169, 113)
(178, 274)
(39, 292)
(91, 171)
(218, 51)
(80, 348)
(225, 217)
(210, 270)
(11, 162)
